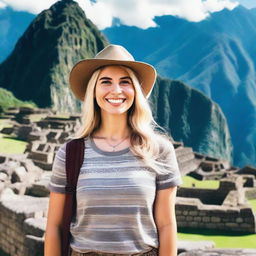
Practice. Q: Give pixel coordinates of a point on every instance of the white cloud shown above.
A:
(141, 13)
(30, 6)
(138, 13)
(100, 13)
(2, 5)
(217, 5)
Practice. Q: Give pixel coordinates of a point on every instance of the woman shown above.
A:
(127, 184)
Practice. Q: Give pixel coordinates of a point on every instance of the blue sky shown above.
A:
(248, 3)
(141, 12)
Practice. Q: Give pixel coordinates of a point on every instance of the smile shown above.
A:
(115, 101)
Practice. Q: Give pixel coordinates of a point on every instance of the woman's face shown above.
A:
(114, 84)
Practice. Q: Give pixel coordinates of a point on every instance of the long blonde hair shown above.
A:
(152, 146)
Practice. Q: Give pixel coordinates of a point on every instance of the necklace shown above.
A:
(113, 146)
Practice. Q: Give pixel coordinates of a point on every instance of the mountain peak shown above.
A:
(63, 3)
(38, 67)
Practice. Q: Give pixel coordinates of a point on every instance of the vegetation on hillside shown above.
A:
(7, 100)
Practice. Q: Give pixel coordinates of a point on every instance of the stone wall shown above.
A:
(215, 196)
(191, 213)
(209, 196)
(22, 224)
(250, 193)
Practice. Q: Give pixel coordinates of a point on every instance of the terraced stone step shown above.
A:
(186, 158)
(188, 166)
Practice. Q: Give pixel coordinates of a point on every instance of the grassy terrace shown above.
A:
(189, 182)
(8, 143)
(4, 123)
(253, 204)
(11, 145)
(221, 240)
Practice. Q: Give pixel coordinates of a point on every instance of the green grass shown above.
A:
(7, 99)
(221, 240)
(189, 181)
(62, 115)
(36, 117)
(4, 123)
(253, 204)
(10, 145)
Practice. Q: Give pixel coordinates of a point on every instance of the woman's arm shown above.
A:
(164, 214)
(52, 241)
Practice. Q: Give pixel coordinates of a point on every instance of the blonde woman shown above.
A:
(127, 184)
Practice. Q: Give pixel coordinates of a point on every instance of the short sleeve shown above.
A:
(58, 178)
(173, 177)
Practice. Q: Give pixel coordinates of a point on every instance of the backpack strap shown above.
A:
(74, 161)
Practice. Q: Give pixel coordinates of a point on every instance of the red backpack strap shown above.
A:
(74, 161)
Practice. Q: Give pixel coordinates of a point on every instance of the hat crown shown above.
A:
(114, 52)
(111, 55)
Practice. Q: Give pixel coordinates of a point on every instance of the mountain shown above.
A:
(37, 70)
(191, 117)
(12, 24)
(216, 56)
(39, 65)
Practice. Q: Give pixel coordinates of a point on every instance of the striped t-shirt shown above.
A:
(115, 196)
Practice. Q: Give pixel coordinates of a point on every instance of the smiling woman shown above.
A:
(126, 188)
(114, 93)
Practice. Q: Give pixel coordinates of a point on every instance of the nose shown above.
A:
(116, 88)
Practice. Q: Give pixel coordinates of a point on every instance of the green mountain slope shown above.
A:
(191, 117)
(7, 100)
(38, 67)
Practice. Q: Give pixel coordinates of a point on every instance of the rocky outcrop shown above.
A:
(191, 117)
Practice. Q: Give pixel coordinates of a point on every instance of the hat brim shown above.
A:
(83, 70)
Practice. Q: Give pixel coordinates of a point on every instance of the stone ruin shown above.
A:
(24, 195)
(223, 209)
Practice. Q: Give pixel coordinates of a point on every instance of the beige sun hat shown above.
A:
(110, 55)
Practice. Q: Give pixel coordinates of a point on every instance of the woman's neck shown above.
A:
(113, 127)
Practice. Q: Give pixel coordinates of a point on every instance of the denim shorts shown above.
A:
(153, 252)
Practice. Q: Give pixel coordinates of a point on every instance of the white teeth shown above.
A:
(115, 101)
